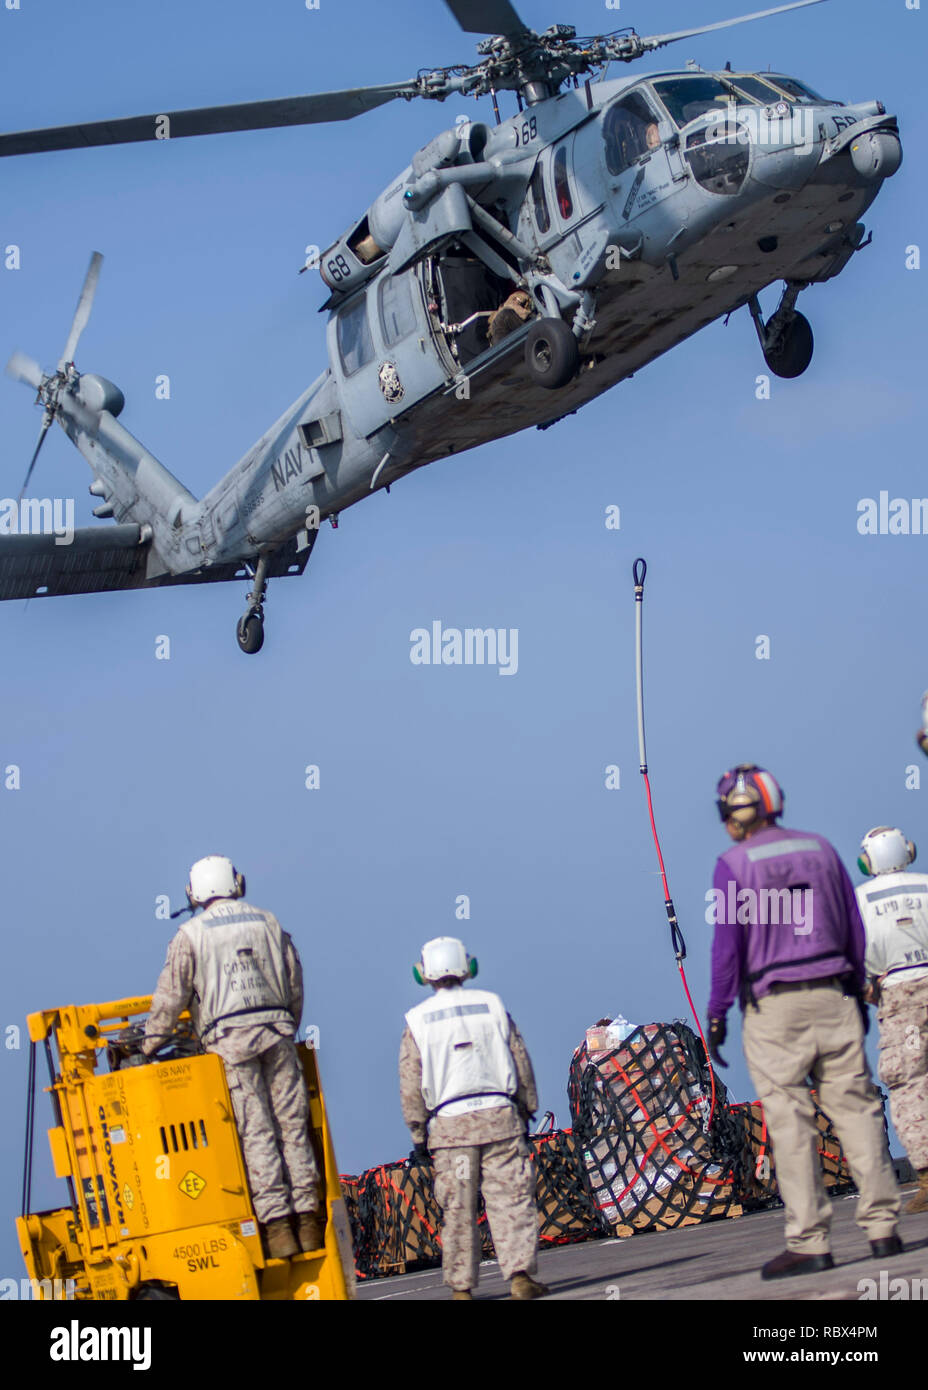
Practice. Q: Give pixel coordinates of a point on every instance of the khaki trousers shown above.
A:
(816, 1033)
(505, 1174)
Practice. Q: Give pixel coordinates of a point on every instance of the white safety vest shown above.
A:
(463, 1040)
(241, 971)
(895, 912)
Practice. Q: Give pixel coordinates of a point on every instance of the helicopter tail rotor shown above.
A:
(50, 387)
(82, 312)
(25, 369)
(46, 426)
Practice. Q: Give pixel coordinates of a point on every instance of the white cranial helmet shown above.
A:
(214, 877)
(442, 958)
(885, 850)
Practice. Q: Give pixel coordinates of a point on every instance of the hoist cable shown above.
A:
(639, 570)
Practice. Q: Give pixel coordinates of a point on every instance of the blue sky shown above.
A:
(435, 781)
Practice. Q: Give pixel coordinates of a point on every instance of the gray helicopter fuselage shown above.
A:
(639, 245)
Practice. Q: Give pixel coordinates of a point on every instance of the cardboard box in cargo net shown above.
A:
(640, 1113)
(760, 1180)
(565, 1212)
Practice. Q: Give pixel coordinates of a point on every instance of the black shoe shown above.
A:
(789, 1263)
(888, 1245)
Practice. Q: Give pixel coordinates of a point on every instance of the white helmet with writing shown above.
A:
(214, 877)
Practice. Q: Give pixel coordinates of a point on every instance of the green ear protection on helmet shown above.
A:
(421, 980)
(885, 850)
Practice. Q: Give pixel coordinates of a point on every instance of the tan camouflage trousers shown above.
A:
(272, 1113)
(505, 1174)
(794, 1034)
(903, 1064)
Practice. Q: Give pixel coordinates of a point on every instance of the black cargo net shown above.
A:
(650, 1155)
(398, 1221)
(644, 1154)
(759, 1179)
(565, 1212)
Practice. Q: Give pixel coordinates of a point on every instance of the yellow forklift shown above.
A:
(160, 1207)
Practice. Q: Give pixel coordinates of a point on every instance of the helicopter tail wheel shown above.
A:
(552, 353)
(790, 350)
(250, 632)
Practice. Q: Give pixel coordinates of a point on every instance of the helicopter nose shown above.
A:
(787, 155)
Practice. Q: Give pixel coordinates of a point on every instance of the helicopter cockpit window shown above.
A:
(539, 201)
(397, 315)
(565, 204)
(688, 98)
(629, 131)
(757, 90)
(355, 344)
(799, 92)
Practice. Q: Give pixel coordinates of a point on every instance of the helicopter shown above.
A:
(511, 273)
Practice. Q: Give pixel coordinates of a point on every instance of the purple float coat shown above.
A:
(784, 909)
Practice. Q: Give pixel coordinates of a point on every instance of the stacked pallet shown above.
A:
(650, 1158)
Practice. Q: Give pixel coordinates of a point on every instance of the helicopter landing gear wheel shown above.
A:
(789, 352)
(552, 353)
(250, 629)
(250, 632)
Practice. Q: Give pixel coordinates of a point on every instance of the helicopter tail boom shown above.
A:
(132, 485)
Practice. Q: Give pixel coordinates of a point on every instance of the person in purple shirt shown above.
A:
(789, 946)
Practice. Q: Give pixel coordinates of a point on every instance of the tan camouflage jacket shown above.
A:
(234, 1042)
(479, 1127)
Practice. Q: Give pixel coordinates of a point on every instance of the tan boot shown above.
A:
(522, 1285)
(920, 1201)
(462, 1293)
(279, 1239)
(309, 1230)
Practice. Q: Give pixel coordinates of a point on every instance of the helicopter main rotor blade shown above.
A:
(659, 40)
(46, 426)
(208, 120)
(23, 368)
(82, 312)
(486, 17)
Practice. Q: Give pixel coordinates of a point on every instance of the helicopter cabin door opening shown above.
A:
(381, 344)
(470, 305)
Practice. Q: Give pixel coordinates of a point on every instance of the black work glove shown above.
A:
(718, 1032)
(853, 988)
(864, 1013)
(526, 1116)
(419, 1156)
